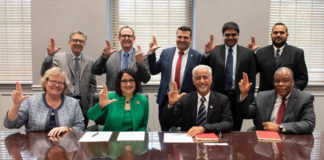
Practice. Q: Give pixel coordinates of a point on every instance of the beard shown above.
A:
(278, 45)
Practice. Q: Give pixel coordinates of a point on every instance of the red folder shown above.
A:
(268, 135)
(206, 137)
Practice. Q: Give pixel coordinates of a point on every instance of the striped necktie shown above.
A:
(201, 119)
(77, 72)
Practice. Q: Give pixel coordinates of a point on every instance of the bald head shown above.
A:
(283, 81)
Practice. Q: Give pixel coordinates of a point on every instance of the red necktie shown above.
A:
(178, 68)
(281, 111)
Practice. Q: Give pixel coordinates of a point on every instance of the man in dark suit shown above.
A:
(280, 54)
(175, 64)
(284, 109)
(83, 83)
(112, 61)
(202, 110)
(228, 62)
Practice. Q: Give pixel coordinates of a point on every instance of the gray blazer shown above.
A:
(88, 84)
(299, 115)
(111, 66)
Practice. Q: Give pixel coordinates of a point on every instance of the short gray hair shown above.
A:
(201, 66)
(78, 32)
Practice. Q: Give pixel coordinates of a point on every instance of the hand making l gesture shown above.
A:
(209, 46)
(51, 50)
(174, 95)
(103, 97)
(245, 85)
(252, 45)
(107, 51)
(153, 45)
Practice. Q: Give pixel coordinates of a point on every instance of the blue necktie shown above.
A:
(229, 70)
(201, 119)
(124, 61)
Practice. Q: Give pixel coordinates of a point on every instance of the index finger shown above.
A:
(18, 86)
(154, 39)
(52, 42)
(245, 77)
(108, 43)
(139, 49)
(252, 39)
(174, 86)
(104, 87)
(211, 38)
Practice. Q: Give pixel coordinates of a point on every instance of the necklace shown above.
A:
(127, 102)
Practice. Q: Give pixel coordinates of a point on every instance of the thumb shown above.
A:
(25, 97)
(182, 94)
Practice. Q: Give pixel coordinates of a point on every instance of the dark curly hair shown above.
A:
(118, 81)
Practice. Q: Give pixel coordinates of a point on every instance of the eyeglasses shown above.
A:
(125, 81)
(230, 34)
(126, 35)
(56, 82)
(77, 40)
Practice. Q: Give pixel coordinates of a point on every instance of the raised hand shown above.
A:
(107, 51)
(209, 46)
(153, 45)
(103, 97)
(174, 95)
(17, 95)
(245, 85)
(252, 44)
(139, 56)
(51, 50)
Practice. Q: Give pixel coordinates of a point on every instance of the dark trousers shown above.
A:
(237, 119)
(86, 120)
(165, 126)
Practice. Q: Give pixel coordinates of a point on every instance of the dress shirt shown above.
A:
(174, 65)
(234, 53)
(129, 58)
(276, 107)
(205, 103)
(80, 58)
(275, 49)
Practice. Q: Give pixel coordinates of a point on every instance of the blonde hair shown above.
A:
(54, 72)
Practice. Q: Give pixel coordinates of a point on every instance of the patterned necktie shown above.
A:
(77, 72)
(229, 70)
(201, 119)
(124, 64)
(281, 111)
(178, 69)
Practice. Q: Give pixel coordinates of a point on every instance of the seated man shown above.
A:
(284, 109)
(202, 110)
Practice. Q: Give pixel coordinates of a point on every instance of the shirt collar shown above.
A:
(185, 52)
(80, 56)
(130, 52)
(206, 97)
(234, 47)
(281, 48)
(287, 97)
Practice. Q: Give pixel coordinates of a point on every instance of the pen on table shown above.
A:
(95, 134)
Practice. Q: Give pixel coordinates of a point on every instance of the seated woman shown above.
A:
(123, 110)
(50, 111)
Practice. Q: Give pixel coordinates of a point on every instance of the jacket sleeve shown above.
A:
(99, 67)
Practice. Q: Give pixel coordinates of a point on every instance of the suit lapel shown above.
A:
(133, 60)
(169, 60)
(70, 62)
(194, 98)
(118, 60)
(222, 57)
(83, 65)
(210, 109)
(268, 108)
(238, 61)
(284, 55)
(290, 106)
(190, 56)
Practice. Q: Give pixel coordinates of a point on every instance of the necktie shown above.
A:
(277, 55)
(178, 68)
(201, 119)
(125, 61)
(77, 72)
(201, 151)
(229, 70)
(281, 111)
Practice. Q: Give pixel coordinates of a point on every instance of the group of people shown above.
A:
(198, 92)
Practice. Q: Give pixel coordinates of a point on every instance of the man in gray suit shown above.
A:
(111, 61)
(77, 67)
(284, 109)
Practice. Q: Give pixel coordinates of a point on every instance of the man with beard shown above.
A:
(228, 62)
(199, 111)
(175, 64)
(112, 61)
(280, 54)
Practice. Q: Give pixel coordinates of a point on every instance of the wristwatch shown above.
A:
(281, 127)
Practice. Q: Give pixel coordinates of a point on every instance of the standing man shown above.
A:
(77, 67)
(228, 62)
(280, 54)
(202, 110)
(111, 61)
(175, 65)
(284, 109)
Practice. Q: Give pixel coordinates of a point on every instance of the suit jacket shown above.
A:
(88, 84)
(245, 62)
(291, 57)
(299, 115)
(114, 113)
(219, 117)
(164, 66)
(111, 66)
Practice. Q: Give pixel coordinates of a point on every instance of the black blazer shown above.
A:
(291, 57)
(245, 62)
(219, 117)
(299, 115)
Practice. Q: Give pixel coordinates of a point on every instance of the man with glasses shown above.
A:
(228, 62)
(112, 61)
(77, 67)
(284, 109)
(280, 54)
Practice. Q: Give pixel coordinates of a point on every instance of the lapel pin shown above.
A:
(83, 60)
(137, 102)
(211, 107)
